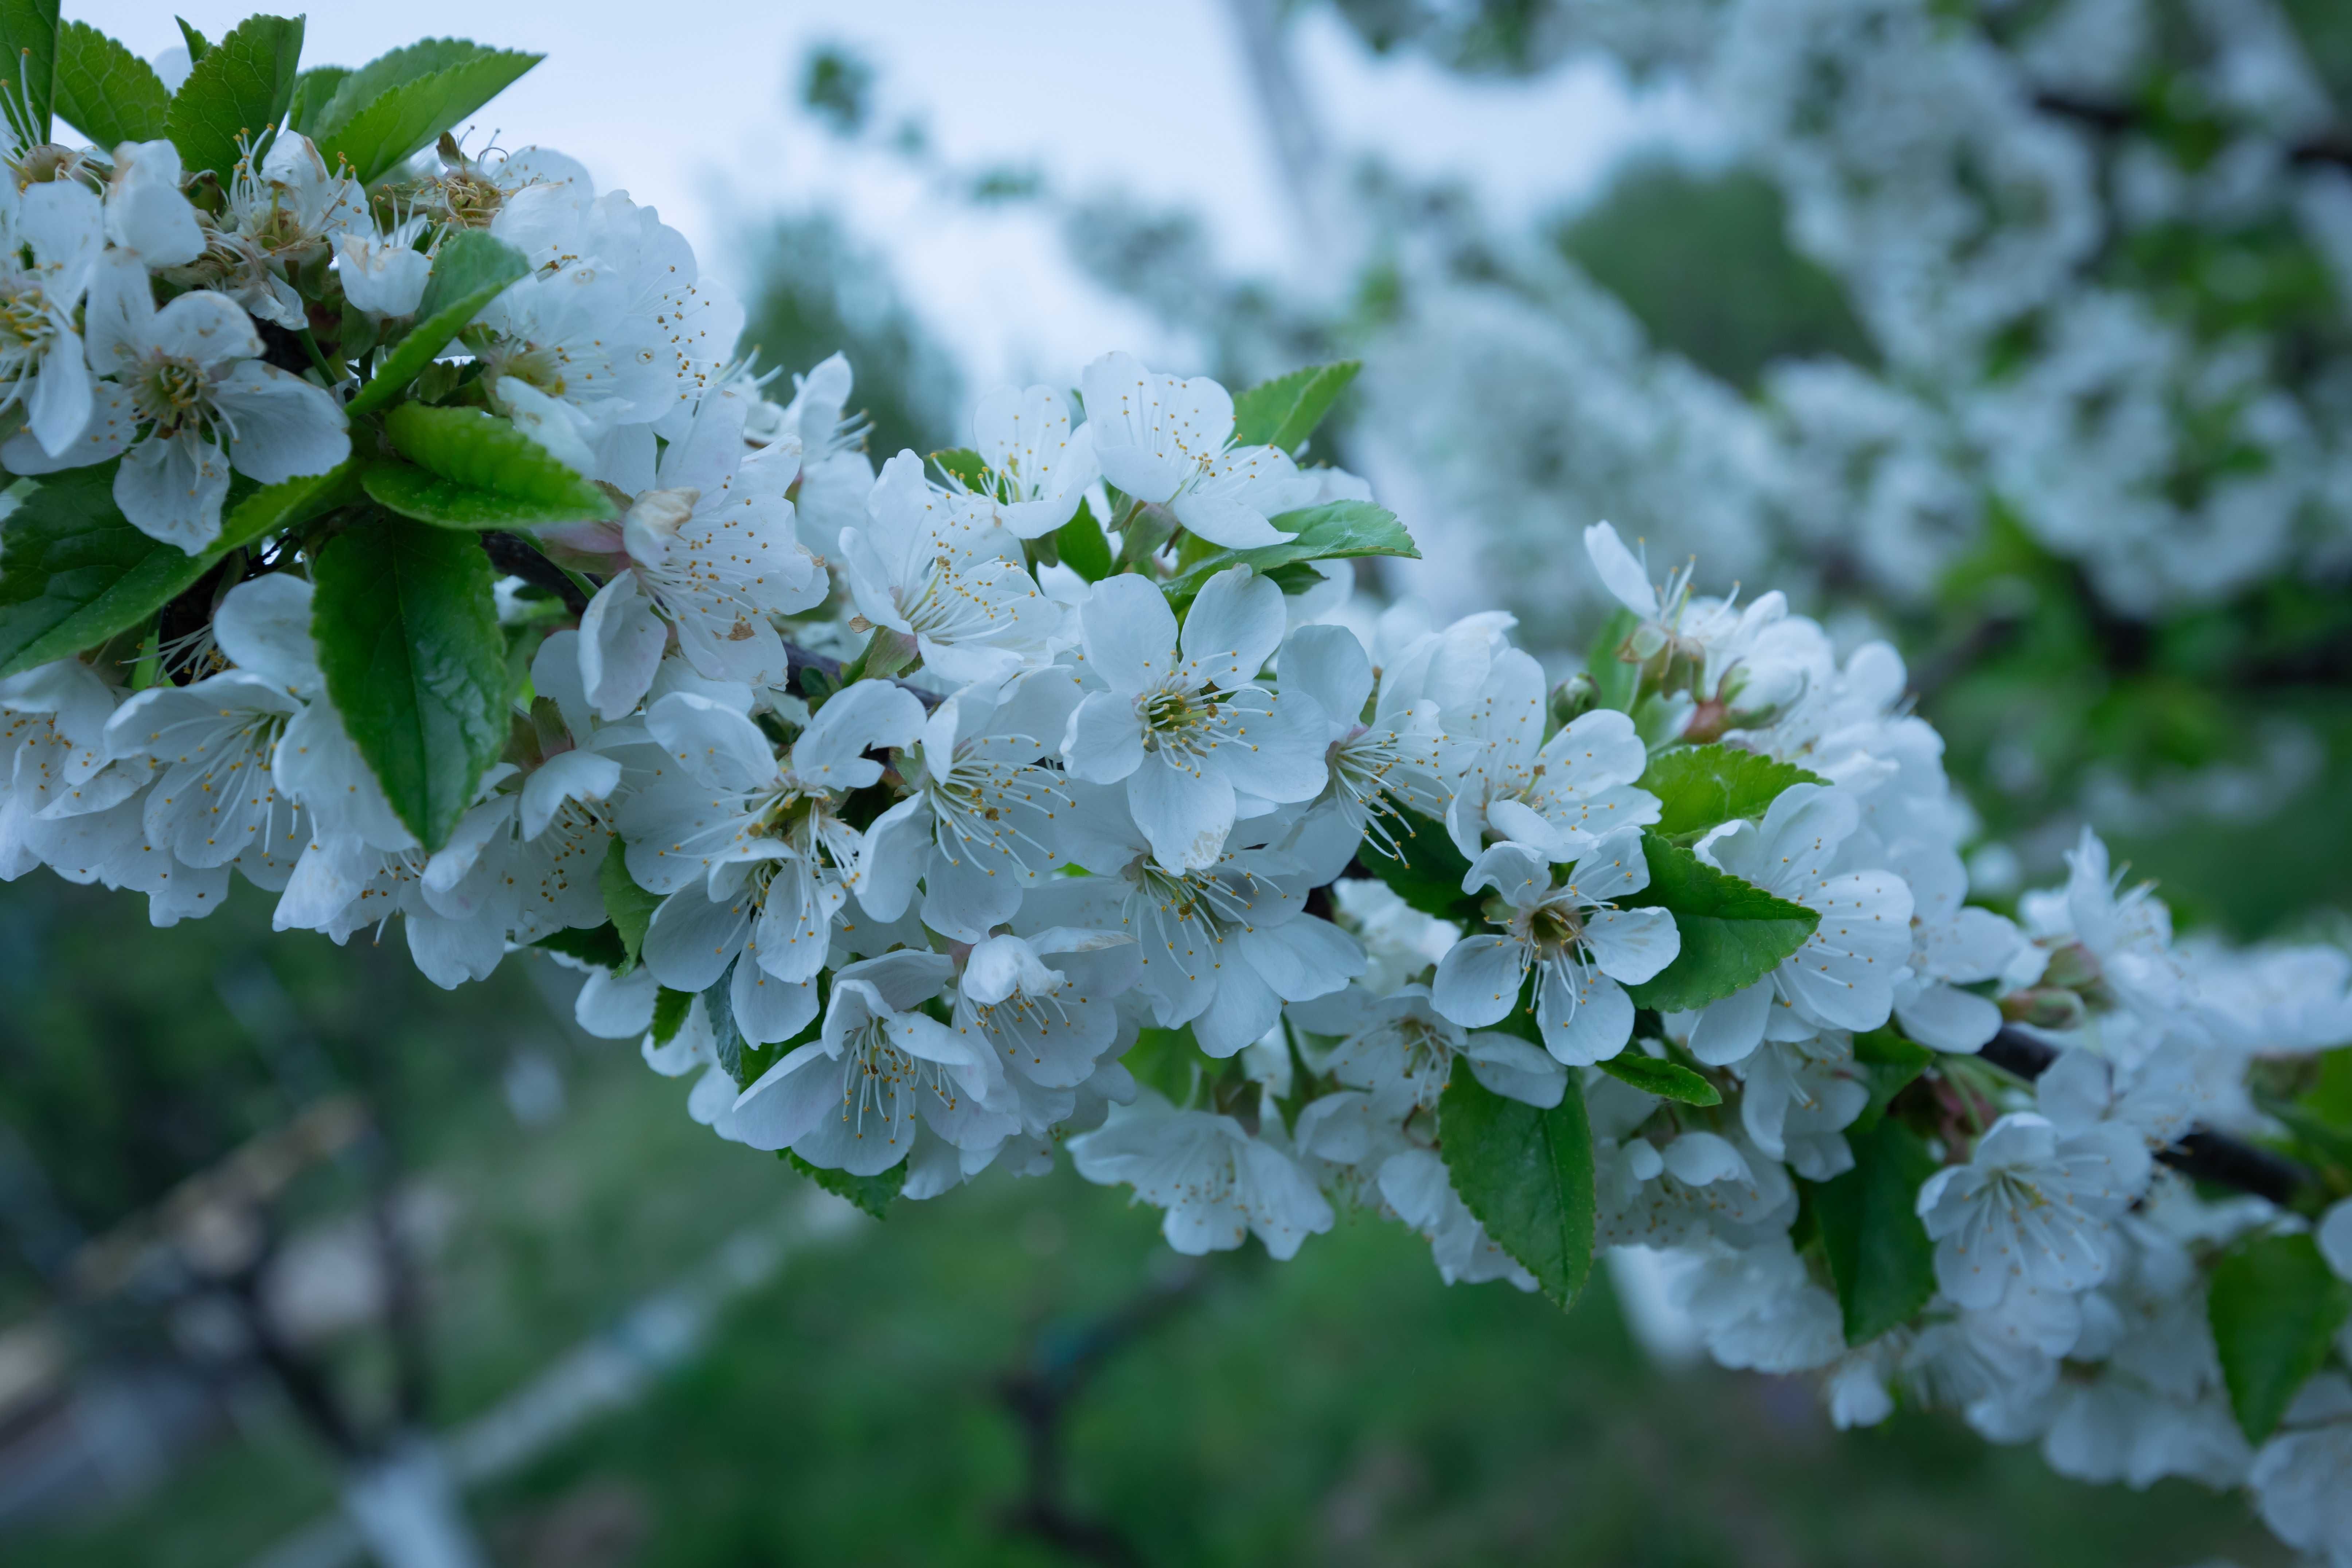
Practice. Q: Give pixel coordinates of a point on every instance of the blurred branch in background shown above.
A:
(1060, 1361)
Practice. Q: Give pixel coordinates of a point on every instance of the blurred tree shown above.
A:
(819, 293)
(1704, 262)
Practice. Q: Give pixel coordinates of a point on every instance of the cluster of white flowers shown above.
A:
(936, 824)
(2000, 206)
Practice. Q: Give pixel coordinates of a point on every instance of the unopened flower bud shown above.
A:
(1573, 698)
(2044, 1007)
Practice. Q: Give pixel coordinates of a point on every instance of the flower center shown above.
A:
(25, 327)
(471, 200)
(547, 368)
(1554, 931)
(175, 394)
(1177, 720)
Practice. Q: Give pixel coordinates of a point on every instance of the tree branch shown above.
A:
(2115, 118)
(2200, 1154)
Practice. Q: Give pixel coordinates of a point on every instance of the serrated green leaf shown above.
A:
(283, 505)
(312, 90)
(1879, 1256)
(1428, 874)
(479, 451)
(1526, 1174)
(670, 1010)
(28, 32)
(962, 464)
(1699, 787)
(1614, 682)
(872, 1194)
(1083, 548)
(630, 906)
(1667, 1080)
(404, 120)
(106, 93)
(600, 945)
(74, 571)
(471, 270)
(2274, 1305)
(408, 636)
(1284, 412)
(1733, 931)
(239, 88)
(371, 81)
(411, 492)
(198, 45)
(1335, 530)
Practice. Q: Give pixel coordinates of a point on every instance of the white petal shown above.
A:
(567, 775)
(1186, 816)
(172, 490)
(1232, 629)
(1104, 743)
(620, 647)
(285, 427)
(1129, 633)
(208, 328)
(1619, 572)
(1631, 945)
(712, 741)
(1478, 980)
(1729, 1031)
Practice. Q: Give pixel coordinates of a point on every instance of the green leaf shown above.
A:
(599, 945)
(1335, 530)
(2274, 1305)
(1428, 875)
(358, 89)
(1733, 931)
(283, 505)
(312, 88)
(74, 571)
(478, 451)
(1667, 1080)
(106, 93)
(1083, 548)
(718, 1006)
(408, 638)
(1699, 787)
(872, 1194)
(1890, 1063)
(1165, 1060)
(1284, 411)
(411, 492)
(471, 270)
(1614, 682)
(239, 88)
(962, 464)
(1526, 1174)
(381, 135)
(670, 1010)
(1879, 1256)
(29, 28)
(630, 906)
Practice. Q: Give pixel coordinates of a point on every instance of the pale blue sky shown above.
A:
(690, 113)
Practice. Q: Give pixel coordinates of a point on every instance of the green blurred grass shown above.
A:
(1344, 1408)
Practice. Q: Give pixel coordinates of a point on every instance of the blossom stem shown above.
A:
(318, 358)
